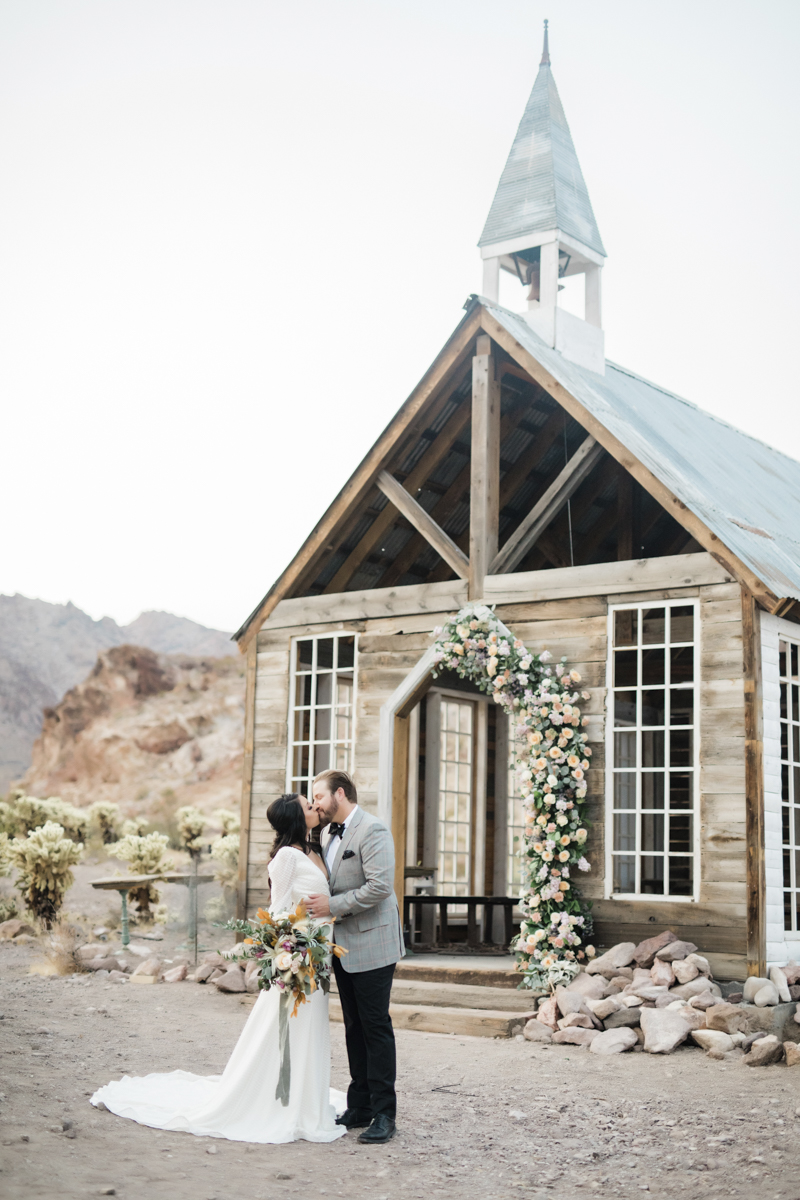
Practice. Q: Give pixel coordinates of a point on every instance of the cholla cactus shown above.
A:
(145, 855)
(226, 852)
(5, 854)
(136, 826)
(6, 818)
(43, 860)
(75, 820)
(28, 812)
(105, 817)
(227, 820)
(191, 823)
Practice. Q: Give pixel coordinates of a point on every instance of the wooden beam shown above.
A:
(359, 483)
(546, 508)
(754, 786)
(624, 516)
(247, 778)
(484, 491)
(444, 545)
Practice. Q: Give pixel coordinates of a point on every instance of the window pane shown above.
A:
(302, 690)
(784, 702)
(680, 876)
(322, 731)
(302, 725)
(653, 876)
(682, 624)
(653, 707)
(680, 748)
(681, 664)
(652, 831)
(794, 661)
(653, 627)
(322, 758)
(347, 651)
(624, 873)
(624, 708)
(625, 790)
(652, 666)
(626, 622)
(653, 748)
(652, 790)
(624, 749)
(625, 668)
(795, 703)
(786, 824)
(787, 868)
(305, 651)
(680, 833)
(300, 761)
(324, 688)
(325, 654)
(681, 707)
(680, 789)
(625, 831)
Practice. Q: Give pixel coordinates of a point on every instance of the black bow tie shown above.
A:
(336, 829)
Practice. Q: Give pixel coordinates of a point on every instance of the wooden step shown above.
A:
(474, 1022)
(447, 972)
(460, 995)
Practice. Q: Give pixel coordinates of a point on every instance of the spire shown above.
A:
(545, 62)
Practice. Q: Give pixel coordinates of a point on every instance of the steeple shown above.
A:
(541, 226)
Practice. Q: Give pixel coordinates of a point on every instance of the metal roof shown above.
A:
(744, 491)
(542, 186)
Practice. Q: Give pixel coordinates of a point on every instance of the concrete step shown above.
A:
(474, 1022)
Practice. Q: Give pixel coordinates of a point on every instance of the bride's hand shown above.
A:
(319, 906)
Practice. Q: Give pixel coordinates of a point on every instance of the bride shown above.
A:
(240, 1103)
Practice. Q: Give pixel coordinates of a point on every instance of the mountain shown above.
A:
(147, 731)
(45, 649)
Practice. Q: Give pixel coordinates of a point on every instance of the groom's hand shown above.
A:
(319, 906)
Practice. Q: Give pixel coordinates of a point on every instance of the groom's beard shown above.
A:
(323, 821)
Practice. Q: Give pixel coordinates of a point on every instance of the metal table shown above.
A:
(126, 883)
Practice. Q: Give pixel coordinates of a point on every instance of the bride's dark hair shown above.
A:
(287, 818)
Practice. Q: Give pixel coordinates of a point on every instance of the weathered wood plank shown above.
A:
(596, 579)
(484, 485)
(370, 605)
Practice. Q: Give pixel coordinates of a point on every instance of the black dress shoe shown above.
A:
(354, 1118)
(382, 1129)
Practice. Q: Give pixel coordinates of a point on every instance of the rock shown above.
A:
(569, 1001)
(751, 986)
(676, 950)
(535, 1031)
(602, 1008)
(685, 970)
(695, 1016)
(214, 958)
(618, 956)
(792, 973)
(645, 953)
(231, 981)
(704, 1000)
(588, 985)
(765, 1052)
(662, 974)
(623, 1018)
(103, 964)
(215, 975)
(794, 991)
(150, 966)
(614, 1041)
(631, 1000)
(666, 1000)
(791, 1052)
(13, 928)
(751, 1038)
(796, 1016)
(728, 1018)
(548, 1013)
(780, 982)
(663, 1030)
(575, 1036)
(735, 997)
(693, 988)
(118, 976)
(204, 973)
(251, 983)
(176, 974)
(713, 1041)
(766, 995)
(650, 992)
(702, 964)
(574, 1019)
(86, 953)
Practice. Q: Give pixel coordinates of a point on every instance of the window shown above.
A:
(790, 783)
(652, 743)
(321, 707)
(455, 796)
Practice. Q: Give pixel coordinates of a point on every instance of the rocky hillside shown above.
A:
(147, 731)
(47, 648)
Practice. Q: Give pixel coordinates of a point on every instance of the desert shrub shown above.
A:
(145, 856)
(227, 820)
(191, 823)
(61, 948)
(225, 851)
(135, 827)
(28, 812)
(105, 818)
(75, 820)
(43, 861)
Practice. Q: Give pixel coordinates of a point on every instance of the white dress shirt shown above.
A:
(334, 843)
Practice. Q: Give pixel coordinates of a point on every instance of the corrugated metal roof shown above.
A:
(542, 186)
(744, 491)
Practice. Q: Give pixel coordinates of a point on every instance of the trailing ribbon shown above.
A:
(284, 1050)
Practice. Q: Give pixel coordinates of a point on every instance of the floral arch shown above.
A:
(552, 758)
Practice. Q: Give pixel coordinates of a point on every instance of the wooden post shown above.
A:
(754, 786)
(247, 776)
(624, 516)
(484, 497)
(399, 804)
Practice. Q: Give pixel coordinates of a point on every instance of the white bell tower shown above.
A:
(541, 227)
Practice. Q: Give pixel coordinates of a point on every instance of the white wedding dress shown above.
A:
(240, 1103)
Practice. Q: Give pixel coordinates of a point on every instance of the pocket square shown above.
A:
(349, 854)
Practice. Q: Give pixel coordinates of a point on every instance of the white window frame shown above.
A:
(647, 897)
(291, 743)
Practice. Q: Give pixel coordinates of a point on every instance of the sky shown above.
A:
(235, 233)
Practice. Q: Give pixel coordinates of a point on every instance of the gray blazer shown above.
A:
(362, 895)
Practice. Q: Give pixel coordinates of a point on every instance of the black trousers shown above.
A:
(370, 1038)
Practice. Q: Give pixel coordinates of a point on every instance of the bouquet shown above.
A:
(294, 953)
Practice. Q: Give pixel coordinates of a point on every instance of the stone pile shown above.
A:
(660, 994)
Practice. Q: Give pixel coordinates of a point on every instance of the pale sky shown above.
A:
(234, 234)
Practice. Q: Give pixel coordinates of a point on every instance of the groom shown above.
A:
(359, 855)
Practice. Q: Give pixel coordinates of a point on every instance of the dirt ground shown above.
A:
(477, 1117)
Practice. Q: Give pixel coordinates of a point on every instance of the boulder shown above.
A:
(662, 974)
(623, 1018)
(791, 1052)
(118, 976)
(176, 974)
(588, 985)
(766, 995)
(618, 956)
(575, 1036)
(569, 1001)
(664, 1030)
(796, 1016)
(713, 1041)
(765, 1052)
(215, 975)
(791, 971)
(231, 981)
(535, 1031)
(693, 988)
(90, 951)
(548, 1013)
(251, 984)
(641, 977)
(751, 1038)
(667, 1001)
(103, 964)
(574, 1019)
(13, 928)
(728, 1018)
(751, 986)
(702, 964)
(645, 953)
(780, 982)
(613, 1041)
(676, 950)
(794, 991)
(204, 973)
(649, 992)
(150, 966)
(215, 959)
(685, 970)
(704, 1000)
(602, 1008)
